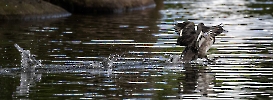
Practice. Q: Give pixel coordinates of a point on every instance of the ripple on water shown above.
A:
(79, 68)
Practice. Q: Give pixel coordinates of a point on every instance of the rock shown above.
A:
(30, 9)
(102, 6)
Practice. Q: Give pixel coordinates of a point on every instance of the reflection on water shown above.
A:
(133, 55)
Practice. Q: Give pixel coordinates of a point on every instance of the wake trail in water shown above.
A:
(110, 64)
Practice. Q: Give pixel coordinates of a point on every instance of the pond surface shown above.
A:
(126, 55)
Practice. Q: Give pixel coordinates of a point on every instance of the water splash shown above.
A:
(174, 59)
(28, 61)
(109, 62)
(28, 76)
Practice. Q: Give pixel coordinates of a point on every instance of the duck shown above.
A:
(196, 39)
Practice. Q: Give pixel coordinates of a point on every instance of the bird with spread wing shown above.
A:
(197, 41)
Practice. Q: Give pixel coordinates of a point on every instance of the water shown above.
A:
(133, 55)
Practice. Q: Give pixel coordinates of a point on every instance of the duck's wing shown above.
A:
(205, 30)
(218, 29)
(180, 26)
(187, 36)
(201, 31)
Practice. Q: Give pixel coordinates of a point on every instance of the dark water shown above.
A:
(125, 56)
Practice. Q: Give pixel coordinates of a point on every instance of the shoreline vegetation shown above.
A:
(46, 9)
